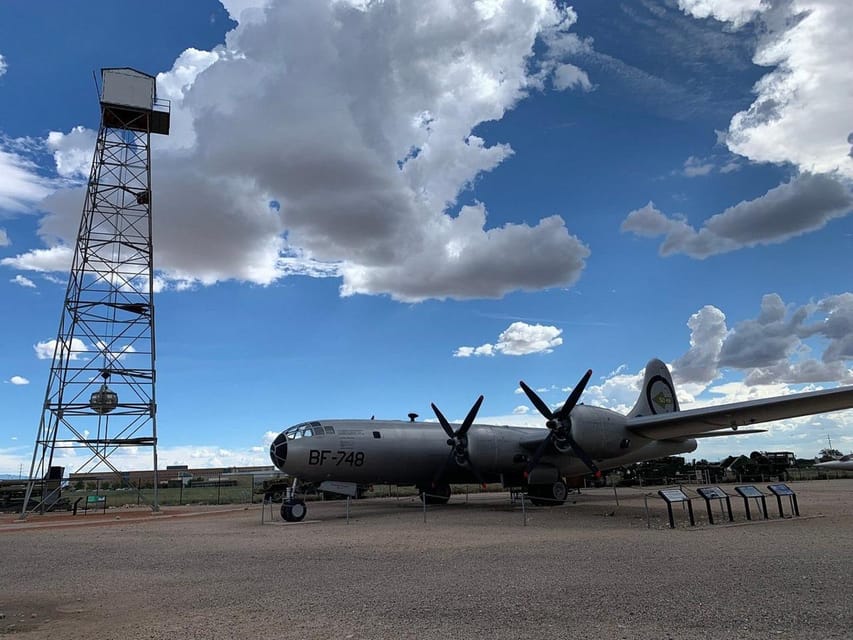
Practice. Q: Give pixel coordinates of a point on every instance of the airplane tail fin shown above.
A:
(657, 394)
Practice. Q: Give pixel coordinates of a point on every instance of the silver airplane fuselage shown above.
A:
(410, 453)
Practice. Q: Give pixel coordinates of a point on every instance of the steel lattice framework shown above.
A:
(101, 389)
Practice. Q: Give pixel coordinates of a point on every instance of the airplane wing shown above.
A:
(695, 422)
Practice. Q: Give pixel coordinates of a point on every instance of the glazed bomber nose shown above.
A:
(278, 450)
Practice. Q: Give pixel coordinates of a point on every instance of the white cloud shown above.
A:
(4, 238)
(72, 151)
(521, 410)
(801, 110)
(18, 380)
(20, 184)
(44, 350)
(707, 333)
(770, 348)
(694, 166)
(3, 65)
(482, 350)
(618, 391)
(54, 259)
(738, 12)
(731, 166)
(568, 76)
(24, 282)
(202, 455)
(356, 119)
(236, 8)
(805, 203)
(518, 339)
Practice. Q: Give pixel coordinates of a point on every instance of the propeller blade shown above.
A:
(543, 408)
(443, 421)
(580, 453)
(442, 469)
(575, 395)
(469, 419)
(476, 474)
(540, 450)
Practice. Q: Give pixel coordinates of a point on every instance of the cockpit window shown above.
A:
(297, 431)
(307, 430)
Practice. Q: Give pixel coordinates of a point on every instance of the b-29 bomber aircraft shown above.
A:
(340, 455)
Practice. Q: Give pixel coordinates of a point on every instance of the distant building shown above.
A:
(172, 474)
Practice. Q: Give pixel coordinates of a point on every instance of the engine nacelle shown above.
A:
(601, 433)
(496, 449)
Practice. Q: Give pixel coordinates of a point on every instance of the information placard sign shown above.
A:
(673, 495)
(712, 493)
(780, 489)
(749, 491)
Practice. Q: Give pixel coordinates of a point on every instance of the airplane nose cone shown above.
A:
(278, 451)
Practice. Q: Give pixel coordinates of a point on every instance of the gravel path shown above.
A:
(471, 571)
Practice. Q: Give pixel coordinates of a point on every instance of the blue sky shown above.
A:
(466, 194)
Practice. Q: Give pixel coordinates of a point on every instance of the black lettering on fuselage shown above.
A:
(319, 457)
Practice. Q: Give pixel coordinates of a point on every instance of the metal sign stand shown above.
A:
(780, 490)
(715, 493)
(749, 492)
(671, 496)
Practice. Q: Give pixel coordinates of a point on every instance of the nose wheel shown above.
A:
(293, 510)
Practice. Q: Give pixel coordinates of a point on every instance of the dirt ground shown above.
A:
(471, 569)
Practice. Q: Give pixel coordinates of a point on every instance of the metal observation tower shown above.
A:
(100, 393)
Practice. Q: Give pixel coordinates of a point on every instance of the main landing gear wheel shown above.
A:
(548, 495)
(293, 510)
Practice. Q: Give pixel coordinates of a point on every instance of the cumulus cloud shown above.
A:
(707, 333)
(24, 282)
(3, 65)
(4, 238)
(44, 350)
(801, 110)
(54, 259)
(20, 184)
(771, 348)
(18, 380)
(568, 76)
(618, 391)
(805, 203)
(738, 12)
(518, 339)
(356, 120)
(72, 151)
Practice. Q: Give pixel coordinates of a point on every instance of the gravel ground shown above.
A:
(472, 570)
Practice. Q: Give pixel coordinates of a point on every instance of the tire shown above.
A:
(548, 495)
(559, 492)
(293, 510)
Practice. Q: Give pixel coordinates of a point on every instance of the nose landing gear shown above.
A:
(293, 509)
